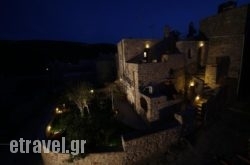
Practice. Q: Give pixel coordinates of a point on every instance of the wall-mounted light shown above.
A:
(58, 111)
(145, 54)
(147, 45)
(48, 128)
(191, 84)
(201, 44)
(197, 98)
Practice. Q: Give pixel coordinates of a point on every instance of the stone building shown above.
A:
(229, 40)
(155, 74)
(152, 72)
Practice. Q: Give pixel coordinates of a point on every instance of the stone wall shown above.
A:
(136, 75)
(154, 105)
(91, 159)
(210, 75)
(157, 72)
(130, 80)
(191, 51)
(137, 148)
(132, 47)
(231, 22)
(144, 147)
(226, 32)
(129, 48)
(180, 80)
(231, 46)
(156, 108)
(120, 60)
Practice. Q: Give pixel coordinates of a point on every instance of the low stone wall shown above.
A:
(154, 104)
(137, 148)
(91, 159)
(144, 147)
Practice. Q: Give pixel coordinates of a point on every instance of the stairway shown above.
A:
(207, 91)
(201, 74)
(200, 112)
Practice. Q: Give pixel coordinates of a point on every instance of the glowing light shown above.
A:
(147, 45)
(58, 111)
(201, 44)
(48, 128)
(91, 91)
(197, 98)
(191, 84)
(145, 54)
(56, 132)
(154, 60)
(47, 69)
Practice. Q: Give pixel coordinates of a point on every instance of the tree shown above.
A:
(81, 93)
(101, 130)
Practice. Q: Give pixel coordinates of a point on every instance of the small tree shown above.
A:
(80, 94)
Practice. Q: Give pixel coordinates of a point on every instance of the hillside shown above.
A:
(32, 56)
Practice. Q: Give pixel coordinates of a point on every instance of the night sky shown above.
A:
(96, 21)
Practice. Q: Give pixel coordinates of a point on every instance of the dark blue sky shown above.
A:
(96, 21)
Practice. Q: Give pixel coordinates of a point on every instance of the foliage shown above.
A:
(80, 93)
(115, 90)
(99, 129)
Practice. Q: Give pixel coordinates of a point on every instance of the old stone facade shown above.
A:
(145, 64)
(228, 36)
(143, 69)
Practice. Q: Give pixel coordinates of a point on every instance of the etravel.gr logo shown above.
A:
(46, 146)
